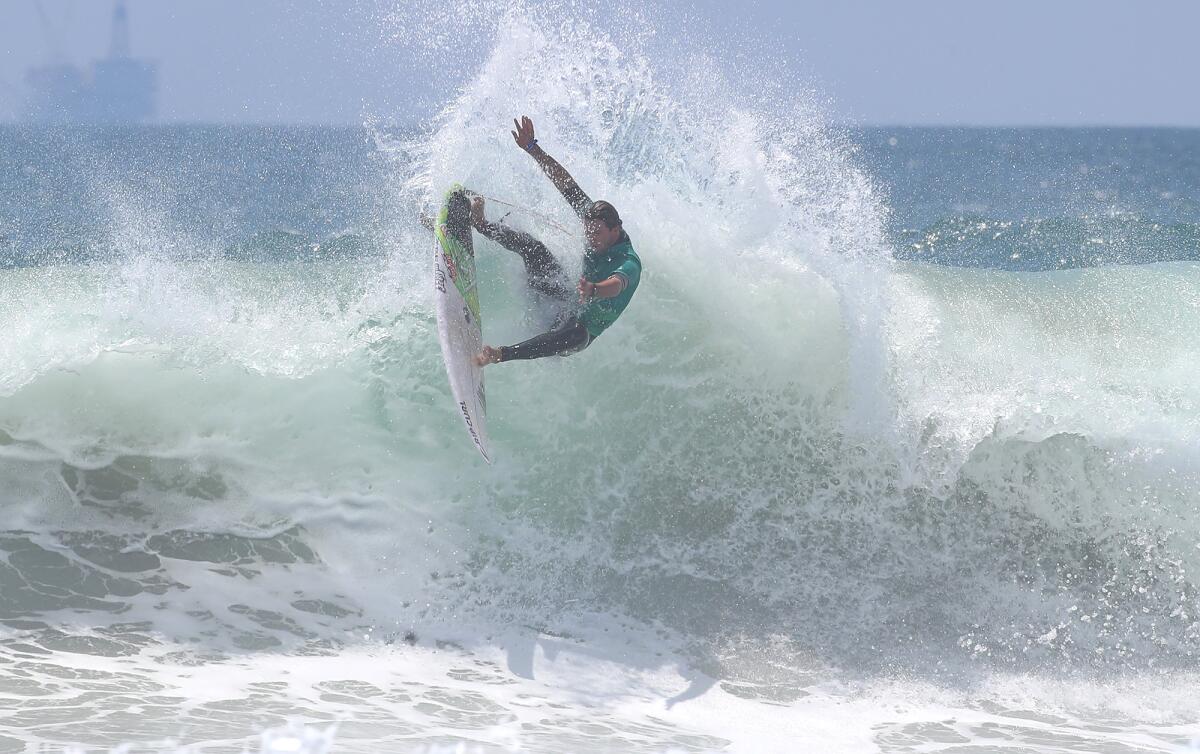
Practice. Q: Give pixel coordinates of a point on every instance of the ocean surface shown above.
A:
(897, 448)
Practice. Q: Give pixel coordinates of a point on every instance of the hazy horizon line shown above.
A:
(349, 125)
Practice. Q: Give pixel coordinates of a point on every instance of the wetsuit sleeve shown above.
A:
(579, 201)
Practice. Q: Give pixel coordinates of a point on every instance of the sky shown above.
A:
(878, 62)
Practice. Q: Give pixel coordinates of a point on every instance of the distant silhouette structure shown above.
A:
(117, 89)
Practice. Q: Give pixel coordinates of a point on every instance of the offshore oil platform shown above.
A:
(116, 89)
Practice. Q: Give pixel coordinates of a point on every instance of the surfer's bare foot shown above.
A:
(477, 217)
(489, 355)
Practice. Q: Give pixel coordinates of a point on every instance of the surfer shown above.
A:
(611, 268)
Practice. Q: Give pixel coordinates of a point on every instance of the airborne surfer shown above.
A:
(611, 268)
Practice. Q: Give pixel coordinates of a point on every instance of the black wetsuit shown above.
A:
(546, 276)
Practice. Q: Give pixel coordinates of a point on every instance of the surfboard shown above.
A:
(460, 328)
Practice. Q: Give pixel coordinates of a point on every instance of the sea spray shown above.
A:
(798, 480)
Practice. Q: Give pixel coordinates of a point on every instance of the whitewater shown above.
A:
(855, 472)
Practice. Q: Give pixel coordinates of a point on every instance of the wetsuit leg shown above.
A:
(542, 271)
(567, 339)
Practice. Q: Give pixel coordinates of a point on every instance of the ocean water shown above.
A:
(896, 449)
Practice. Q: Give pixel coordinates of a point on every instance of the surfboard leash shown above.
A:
(544, 218)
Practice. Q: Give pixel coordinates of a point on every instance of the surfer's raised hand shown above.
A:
(557, 174)
(488, 355)
(524, 133)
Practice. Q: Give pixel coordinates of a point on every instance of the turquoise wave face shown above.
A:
(698, 467)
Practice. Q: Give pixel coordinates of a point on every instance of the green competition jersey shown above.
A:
(621, 260)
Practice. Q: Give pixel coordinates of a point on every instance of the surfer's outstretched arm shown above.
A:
(562, 180)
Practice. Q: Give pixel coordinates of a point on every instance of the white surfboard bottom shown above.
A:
(461, 338)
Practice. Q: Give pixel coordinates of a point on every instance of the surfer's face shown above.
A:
(599, 235)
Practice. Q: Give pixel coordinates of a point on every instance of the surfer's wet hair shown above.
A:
(604, 212)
